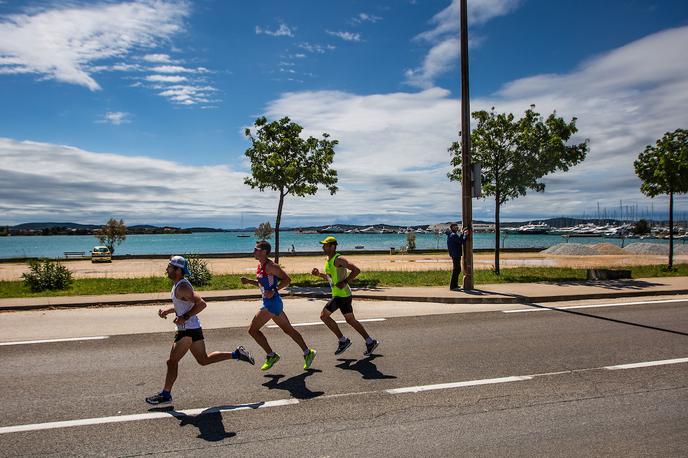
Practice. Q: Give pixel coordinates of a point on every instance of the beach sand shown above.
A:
(130, 268)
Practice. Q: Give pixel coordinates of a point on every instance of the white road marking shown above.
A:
(315, 323)
(72, 339)
(444, 386)
(647, 364)
(143, 416)
(617, 304)
(292, 401)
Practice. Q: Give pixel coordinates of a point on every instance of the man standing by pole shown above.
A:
(455, 246)
(466, 172)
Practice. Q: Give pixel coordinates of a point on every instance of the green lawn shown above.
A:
(94, 286)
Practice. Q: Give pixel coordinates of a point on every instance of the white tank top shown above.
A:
(181, 307)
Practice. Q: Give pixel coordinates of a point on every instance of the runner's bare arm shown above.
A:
(274, 269)
(317, 273)
(162, 313)
(343, 262)
(248, 281)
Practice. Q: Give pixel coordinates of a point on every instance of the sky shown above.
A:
(137, 109)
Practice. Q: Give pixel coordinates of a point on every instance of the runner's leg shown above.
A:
(326, 318)
(354, 323)
(177, 352)
(283, 322)
(203, 358)
(262, 317)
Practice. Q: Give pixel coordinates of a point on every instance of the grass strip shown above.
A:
(376, 279)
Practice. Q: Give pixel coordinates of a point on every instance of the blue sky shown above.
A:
(137, 109)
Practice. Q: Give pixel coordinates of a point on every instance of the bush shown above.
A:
(200, 274)
(46, 274)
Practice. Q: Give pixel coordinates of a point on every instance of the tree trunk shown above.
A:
(671, 229)
(497, 233)
(277, 226)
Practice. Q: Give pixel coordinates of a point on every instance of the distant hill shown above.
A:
(41, 226)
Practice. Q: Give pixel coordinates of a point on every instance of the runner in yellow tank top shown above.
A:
(337, 273)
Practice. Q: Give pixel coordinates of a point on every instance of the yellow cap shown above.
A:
(329, 239)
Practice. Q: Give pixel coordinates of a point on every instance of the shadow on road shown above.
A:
(613, 320)
(296, 386)
(365, 367)
(208, 422)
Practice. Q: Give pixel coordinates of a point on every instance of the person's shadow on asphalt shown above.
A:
(295, 385)
(365, 367)
(208, 422)
(210, 426)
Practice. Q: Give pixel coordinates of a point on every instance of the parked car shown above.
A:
(101, 254)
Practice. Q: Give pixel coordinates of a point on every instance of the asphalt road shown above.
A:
(545, 382)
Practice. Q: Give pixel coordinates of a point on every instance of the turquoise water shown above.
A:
(228, 242)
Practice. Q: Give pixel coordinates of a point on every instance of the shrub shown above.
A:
(200, 273)
(46, 274)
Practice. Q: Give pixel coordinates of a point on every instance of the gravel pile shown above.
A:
(656, 248)
(596, 249)
(571, 249)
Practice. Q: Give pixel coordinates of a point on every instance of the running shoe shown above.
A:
(269, 362)
(308, 358)
(159, 398)
(370, 347)
(343, 345)
(243, 355)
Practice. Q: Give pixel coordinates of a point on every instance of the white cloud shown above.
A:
(166, 78)
(444, 52)
(157, 58)
(116, 118)
(394, 145)
(346, 36)
(365, 17)
(282, 31)
(47, 43)
(316, 48)
(392, 158)
(177, 69)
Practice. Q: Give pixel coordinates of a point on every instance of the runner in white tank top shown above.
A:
(186, 305)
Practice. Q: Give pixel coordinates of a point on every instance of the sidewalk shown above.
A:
(505, 293)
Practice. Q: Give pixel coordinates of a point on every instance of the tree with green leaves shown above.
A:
(264, 231)
(515, 154)
(113, 233)
(663, 168)
(283, 161)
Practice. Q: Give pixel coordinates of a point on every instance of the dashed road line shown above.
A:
(71, 339)
(292, 401)
(616, 304)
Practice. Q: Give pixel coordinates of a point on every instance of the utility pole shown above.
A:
(466, 166)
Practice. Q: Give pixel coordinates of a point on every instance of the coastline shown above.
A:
(244, 264)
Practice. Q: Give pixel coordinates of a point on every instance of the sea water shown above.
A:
(229, 242)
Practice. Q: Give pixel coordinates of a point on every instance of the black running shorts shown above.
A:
(195, 334)
(341, 303)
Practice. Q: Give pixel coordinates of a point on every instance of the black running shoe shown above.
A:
(159, 398)
(244, 355)
(343, 345)
(370, 347)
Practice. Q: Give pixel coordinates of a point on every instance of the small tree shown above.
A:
(283, 161)
(45, 274)
(264, 231)
(663, 168)
(200, 273)
(516, 153)
(113, 233)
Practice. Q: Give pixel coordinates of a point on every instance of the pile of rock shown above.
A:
(597, 249)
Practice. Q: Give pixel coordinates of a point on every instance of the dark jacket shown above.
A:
(455, 241)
